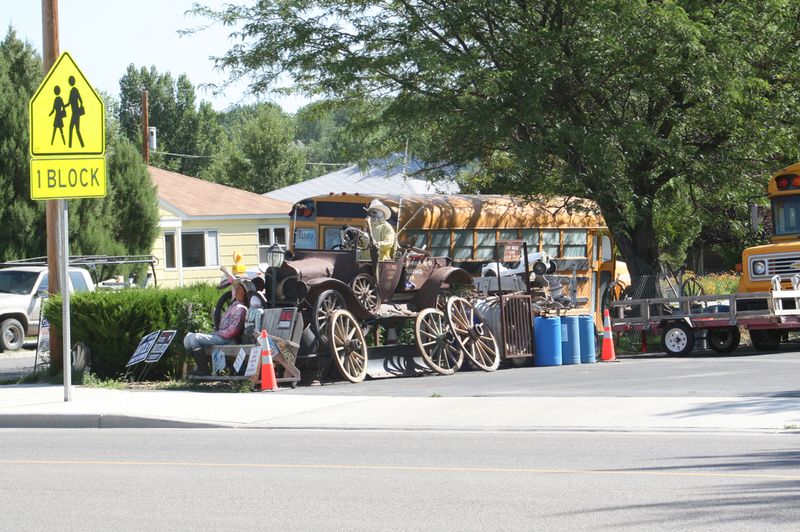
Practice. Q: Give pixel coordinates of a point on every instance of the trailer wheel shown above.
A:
(765, 339)
(724, 339)
(677, 339)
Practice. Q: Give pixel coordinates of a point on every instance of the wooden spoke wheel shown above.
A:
(324, 306)
(472, 334)
(691, 287)
(436, 344)
(365, 288)
(348, 346)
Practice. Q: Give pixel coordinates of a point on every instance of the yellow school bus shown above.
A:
(467, 227)
(781, 256)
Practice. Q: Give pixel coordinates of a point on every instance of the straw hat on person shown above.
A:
(377, 205)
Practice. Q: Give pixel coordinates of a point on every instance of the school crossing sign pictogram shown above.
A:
(67, 136)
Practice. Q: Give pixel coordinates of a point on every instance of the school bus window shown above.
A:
(415, 238)
(575, 243)
(332, 237)
(462, 245)
(485, 240)
(531, 236)
(551, 242)
(509, 234)
(305, 238)
(606, 244)
(440, 243)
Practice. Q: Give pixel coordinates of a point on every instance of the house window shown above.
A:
(169, 249)
(268, 236)
(575, 242)
(199, 249)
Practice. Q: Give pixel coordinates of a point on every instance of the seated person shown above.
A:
(382, 232)
(230, 327)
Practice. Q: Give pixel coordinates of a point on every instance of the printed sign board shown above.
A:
(145, 344)
(512, 250)
(160, 346)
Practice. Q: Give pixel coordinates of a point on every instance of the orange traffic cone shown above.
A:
(607, 355)
(268, 380)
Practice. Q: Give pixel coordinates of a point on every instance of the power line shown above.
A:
(183, 155)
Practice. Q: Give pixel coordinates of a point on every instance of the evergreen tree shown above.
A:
(21, 218)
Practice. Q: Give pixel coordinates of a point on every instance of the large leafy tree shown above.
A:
(124, 222)
(633, 103)
(259, 153)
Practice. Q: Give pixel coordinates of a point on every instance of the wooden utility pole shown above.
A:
(145, 129)
(50, 53)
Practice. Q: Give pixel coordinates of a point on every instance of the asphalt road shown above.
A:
(374, 480)
(745, 373)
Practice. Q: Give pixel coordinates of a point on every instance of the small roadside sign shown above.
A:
(79, 177)
(67, 117)
(512, 250)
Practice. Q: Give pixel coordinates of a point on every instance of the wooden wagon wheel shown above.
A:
(436, 344)
(348, 347)
(365, 288)
(691, 287)
(324, 306)
(472, 334)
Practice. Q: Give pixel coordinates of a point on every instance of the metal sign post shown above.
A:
(65, 296)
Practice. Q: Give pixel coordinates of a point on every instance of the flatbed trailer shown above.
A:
(716, 318)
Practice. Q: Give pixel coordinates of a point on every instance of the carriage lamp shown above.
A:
(275, 258)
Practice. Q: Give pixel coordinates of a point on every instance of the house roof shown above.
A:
(192, 197)
(384, 176)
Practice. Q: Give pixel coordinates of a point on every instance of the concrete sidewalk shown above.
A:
(43, 406)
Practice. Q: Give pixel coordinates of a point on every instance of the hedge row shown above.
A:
(111, 323)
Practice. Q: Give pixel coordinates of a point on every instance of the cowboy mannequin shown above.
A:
(382, 232)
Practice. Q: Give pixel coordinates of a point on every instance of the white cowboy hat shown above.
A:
(378, 206)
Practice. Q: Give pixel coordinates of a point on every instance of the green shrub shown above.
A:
(719, 283)
(111, 323)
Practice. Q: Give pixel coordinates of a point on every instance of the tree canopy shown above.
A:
(685, 105)
(259, 153)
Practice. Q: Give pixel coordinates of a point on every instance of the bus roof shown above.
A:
(438, 211)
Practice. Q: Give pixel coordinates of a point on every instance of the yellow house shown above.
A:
(203, 223)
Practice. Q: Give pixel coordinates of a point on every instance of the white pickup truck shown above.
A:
(21, 291)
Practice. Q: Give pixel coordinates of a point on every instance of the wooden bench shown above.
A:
(284, 327)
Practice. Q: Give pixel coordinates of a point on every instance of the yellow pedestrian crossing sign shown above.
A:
(67, 116)
(67, 128)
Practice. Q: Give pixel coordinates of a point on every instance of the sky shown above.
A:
(105, 36)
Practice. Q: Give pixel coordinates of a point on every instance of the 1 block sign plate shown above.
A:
(79, 177)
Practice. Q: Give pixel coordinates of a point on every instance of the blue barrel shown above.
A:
(586, 326)
(548, 341)
(570, 340)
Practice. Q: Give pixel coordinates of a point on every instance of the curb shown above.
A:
(118, 421)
